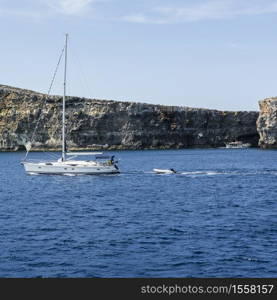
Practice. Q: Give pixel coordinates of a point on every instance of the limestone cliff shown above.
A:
(267, 123)
(101, 124)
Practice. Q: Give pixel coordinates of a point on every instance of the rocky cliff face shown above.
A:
(100, 124)
(267, 123)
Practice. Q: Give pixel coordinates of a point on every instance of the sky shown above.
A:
(217, 54)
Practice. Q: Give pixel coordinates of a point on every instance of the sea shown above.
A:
(216, 217)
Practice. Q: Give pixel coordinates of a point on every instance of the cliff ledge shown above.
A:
(104, 124)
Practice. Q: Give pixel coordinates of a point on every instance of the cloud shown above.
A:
(37, 9)
(70, 7)
(141, 11)
(137, 18)
(205, 10)
(20, 13)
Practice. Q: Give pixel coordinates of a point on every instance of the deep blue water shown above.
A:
(216, 219)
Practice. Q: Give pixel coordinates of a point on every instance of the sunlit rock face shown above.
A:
(267, 123)
(104, 124)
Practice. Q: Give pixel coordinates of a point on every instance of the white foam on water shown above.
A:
(214, 173)
(194, 173)
(204, 173)
(70, 174)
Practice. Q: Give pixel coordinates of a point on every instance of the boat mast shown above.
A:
(64, 95)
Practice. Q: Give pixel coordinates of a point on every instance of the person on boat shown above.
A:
(173, 170)
(111, 161)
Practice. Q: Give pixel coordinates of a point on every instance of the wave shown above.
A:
(232, 173)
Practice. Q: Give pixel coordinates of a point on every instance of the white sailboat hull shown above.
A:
(69, 167)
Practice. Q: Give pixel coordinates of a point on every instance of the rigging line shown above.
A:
(48, 93)
(55, 73)
(52, 154)
(79, 66)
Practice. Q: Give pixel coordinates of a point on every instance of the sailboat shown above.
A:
(68, 164)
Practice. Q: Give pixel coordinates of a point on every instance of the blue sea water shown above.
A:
(216, 218)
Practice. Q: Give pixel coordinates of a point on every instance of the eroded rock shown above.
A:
(267, 123)
(103, 124)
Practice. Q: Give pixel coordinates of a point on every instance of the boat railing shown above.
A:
(36, 160)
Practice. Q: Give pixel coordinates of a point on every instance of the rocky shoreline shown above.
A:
(94, 124)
